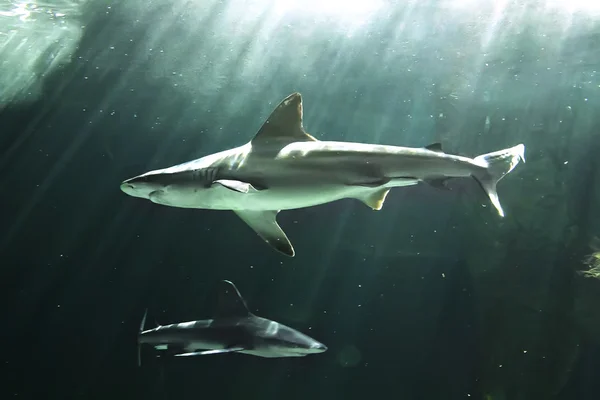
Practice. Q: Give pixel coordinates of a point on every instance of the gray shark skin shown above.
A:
(284, 168)
(233, 329)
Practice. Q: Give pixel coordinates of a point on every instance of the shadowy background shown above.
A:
(432, 297)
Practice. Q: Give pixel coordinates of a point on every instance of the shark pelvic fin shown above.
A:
(238, 186)
(438, 183)
(230, 302)
(437, 147)
(284, 125)
(374, 183)
(265, 225)
(207, 352)
(374, 198)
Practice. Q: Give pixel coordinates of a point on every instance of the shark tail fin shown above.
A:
(496, 165)
(142, 324)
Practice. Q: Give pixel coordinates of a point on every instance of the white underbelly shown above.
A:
(282, 197)
(272, 353)
(203, 345)
(292, 197)
(289, 198)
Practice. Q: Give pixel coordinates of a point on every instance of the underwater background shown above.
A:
(433, 297)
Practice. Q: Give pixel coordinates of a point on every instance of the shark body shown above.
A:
(283, 168)
(233, 329)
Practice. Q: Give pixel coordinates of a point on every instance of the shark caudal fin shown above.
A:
(139, 333)
(497, 165)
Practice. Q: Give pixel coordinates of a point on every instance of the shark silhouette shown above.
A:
(284, 168)
(233, 329)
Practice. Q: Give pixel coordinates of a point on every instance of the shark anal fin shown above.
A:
(438, 183)
(437, 147)
(374, 198)
(284, 125)
(238, 186)
(265, 225)
(230, 302)
(207, 352)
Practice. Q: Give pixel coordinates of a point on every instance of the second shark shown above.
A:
(233, 329)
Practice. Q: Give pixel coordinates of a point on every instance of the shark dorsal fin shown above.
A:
(230, 303)
(437, 147)
(284, 125)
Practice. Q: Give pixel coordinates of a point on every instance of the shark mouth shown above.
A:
(157, 196)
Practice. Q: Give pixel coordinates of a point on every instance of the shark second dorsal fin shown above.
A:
(231, 304)
(284, 125)
(437, 147)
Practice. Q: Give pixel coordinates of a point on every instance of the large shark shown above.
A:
(233, 329)
(284, 168)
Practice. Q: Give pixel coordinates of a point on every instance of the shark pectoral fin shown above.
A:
(374, 198)
(265, 225)
(207, 352)
(238, 186)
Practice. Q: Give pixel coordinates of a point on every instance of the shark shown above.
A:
(283, 168)
(233, 329)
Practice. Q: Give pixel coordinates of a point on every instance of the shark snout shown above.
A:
(318, 347)
(139, 186)
(129, 187)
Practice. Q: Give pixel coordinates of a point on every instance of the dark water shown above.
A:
(433, 297)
